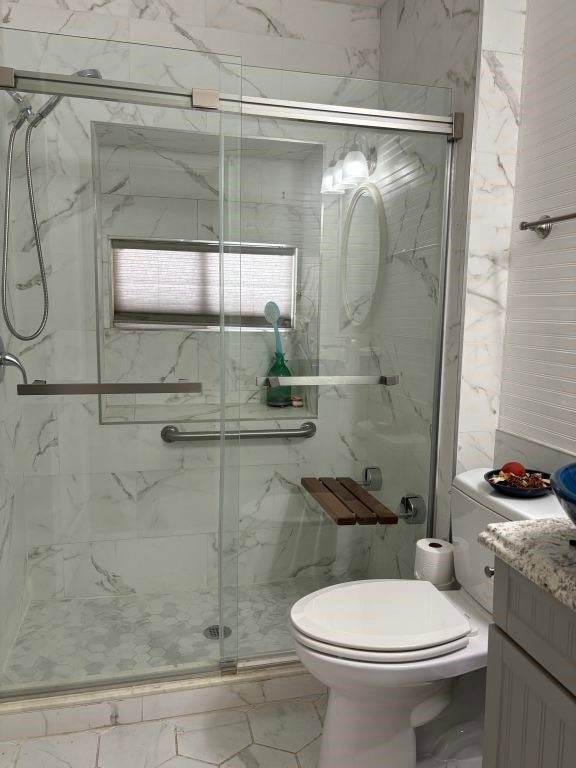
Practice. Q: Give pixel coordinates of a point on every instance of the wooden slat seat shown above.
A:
(346, 502)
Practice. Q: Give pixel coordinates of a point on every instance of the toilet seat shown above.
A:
(369, 621)
(379, 657)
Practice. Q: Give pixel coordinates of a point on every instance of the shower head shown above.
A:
(53, 101)
(25, 112)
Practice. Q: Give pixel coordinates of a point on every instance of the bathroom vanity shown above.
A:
(531, 685)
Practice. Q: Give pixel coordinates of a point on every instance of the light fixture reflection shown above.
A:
(328, 182)
(339, 181)
(355, 167)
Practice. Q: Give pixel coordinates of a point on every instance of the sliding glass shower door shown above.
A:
(357, 272)
(118, 562)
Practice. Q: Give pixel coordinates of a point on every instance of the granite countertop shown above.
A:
(540, 551)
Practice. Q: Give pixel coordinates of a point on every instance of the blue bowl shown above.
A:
(563, 482)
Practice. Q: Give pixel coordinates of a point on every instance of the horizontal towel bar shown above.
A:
(325, 381)
(543, 226)
(171, 434)
(39, 387)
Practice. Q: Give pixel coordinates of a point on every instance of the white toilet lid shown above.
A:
(380, 615)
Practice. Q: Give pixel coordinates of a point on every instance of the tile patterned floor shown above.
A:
(79, 640)
(272, 735)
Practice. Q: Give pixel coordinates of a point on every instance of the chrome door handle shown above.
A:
(489, 572)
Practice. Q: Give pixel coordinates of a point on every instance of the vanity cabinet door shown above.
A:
(530, 718)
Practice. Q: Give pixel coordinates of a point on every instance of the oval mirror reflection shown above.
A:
(364, 251)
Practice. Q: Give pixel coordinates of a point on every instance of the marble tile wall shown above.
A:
(303, 35)
(491, 208)
(436, 43)
(403, 336)
(118, 499)
(95, 487)
(13, 591)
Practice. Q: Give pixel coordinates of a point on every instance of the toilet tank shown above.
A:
(473, 506)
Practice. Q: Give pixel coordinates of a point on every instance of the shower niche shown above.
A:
(161, 277)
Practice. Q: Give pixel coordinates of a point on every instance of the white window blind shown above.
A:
(178, 283)
(539, 367)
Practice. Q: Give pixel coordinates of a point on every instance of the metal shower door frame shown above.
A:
(210, 100)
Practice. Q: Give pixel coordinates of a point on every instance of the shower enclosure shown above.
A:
(152, 518)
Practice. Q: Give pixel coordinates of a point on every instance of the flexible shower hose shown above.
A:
(6, 239)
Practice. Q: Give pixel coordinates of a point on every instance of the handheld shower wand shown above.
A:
(34, 119)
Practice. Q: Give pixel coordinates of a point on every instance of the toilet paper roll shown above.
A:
(434, 561)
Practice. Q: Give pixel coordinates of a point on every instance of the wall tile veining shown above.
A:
(304, 35)
(413, 32)
(96, 497)
(107, 516)
(493, 183)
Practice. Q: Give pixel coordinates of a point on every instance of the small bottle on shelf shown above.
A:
(279, 397)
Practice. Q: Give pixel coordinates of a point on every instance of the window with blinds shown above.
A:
(175, 283)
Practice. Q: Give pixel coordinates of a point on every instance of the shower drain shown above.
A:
(213, 631)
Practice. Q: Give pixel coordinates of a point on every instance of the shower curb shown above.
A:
(86, 710)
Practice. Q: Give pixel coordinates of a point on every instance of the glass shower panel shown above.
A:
(121, 531)
(230, 236)
(374, 312)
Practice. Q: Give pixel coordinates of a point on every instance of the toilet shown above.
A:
(389, 650)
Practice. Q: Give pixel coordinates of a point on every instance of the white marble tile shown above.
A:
(76, 751)
(281, 688)
(528, 452)
(168, 10)
(45, 572)
(183, 762)
(324, 22)
(213, 738)
(201, 700)
(503, 25)
(480, 387)
(305, 56)
(100, 449)
(257, 756)
(475, 449)
(310, 755)
(40, 440)
(145, 745)
(90, 716)
(8, 753)
(263, 17)
(72, 508)
(287, 725)
(177, 502)
(499, 102)
(135, 566)
(130, 216)
(24, 725)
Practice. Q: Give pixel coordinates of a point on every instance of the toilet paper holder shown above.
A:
(412, 509)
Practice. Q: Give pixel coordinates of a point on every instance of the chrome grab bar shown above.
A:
(543, 226)
(171, 434)
(326, 381)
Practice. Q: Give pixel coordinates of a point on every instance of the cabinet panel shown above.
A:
(530, 718)
(541, 625)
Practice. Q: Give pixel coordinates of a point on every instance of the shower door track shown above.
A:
(211, 100)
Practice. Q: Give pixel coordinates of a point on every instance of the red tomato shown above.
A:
(514, 468)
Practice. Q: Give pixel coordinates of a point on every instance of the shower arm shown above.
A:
(7, 360)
